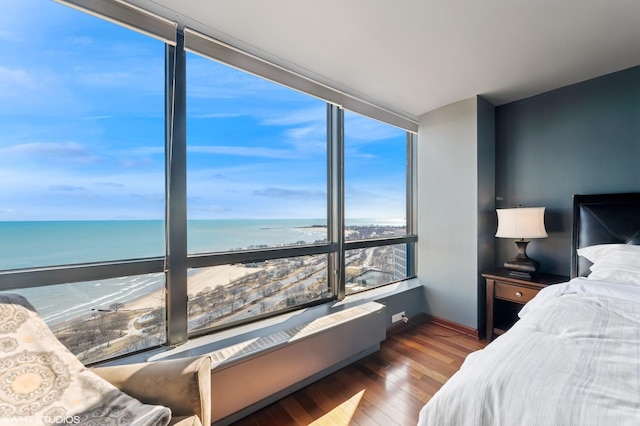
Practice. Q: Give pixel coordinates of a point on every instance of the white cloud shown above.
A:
(97, 117)
(144, 150)
(80, 40)
(17, 79)
(244, 151)
(7, 36)
(298, 133)
(57, 151)
(210, 79)
(66, 188)
(136, 162)
(289, 193)
(295, 117)
(360, 130)
(106, 78)
(109, 184)
(256, 190)
(36, 92)
(217, 115)
(67, 194)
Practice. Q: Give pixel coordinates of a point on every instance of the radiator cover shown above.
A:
(250, 375)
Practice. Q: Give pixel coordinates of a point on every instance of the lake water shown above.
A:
(48, 243)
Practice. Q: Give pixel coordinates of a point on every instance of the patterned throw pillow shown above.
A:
(42, 383)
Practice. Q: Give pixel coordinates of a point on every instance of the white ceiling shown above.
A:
(413, 56)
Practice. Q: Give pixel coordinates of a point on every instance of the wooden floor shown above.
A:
(386, 388)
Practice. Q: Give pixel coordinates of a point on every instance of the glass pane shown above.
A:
(257, 161)
(82, 146)
(97, 320)
(375, 178)
(228, 293)
(237, 234)
(44, 243)
(372, 267)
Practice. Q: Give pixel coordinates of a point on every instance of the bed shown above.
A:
(573, 358)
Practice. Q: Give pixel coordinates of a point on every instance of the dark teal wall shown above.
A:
(583, 138)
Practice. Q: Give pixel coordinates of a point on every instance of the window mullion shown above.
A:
(176, 192)
(411, 201)
(335, 195)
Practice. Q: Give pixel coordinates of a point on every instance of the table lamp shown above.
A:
(522, 224)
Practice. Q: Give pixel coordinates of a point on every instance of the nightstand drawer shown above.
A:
(505, 295)
(514, 293)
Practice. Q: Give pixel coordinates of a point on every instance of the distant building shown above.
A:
(399, 262)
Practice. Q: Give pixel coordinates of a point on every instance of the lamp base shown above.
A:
(520, 274)
(522, 266)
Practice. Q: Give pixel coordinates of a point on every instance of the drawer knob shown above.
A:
(518, 294)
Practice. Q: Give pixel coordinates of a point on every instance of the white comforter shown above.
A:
(572, 359)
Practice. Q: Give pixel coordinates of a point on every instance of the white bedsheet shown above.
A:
(573, 359)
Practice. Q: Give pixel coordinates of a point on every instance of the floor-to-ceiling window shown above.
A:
(256, 180)
(82, 172)
(375, 181)
(289, 199)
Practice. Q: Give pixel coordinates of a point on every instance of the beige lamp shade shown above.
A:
(522, 223)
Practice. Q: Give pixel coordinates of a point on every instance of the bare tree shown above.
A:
(101, 329)
(120, 323)
(234, 291)
(265, 291)
(135, 345)
(217, 298)
(116, 306)
(201, 300)
(244, 296)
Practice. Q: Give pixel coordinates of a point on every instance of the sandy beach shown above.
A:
(210, 277)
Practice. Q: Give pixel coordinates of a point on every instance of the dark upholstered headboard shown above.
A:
(602, 219)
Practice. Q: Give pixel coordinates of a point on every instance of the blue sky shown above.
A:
(82, 132)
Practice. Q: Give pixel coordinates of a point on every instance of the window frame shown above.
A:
(177, 261)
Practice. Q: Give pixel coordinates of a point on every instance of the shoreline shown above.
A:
(209, 277)
(201, 279)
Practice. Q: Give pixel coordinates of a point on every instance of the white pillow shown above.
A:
(597, 252)
(619, 263)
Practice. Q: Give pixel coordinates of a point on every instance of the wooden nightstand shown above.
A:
(506, 295)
